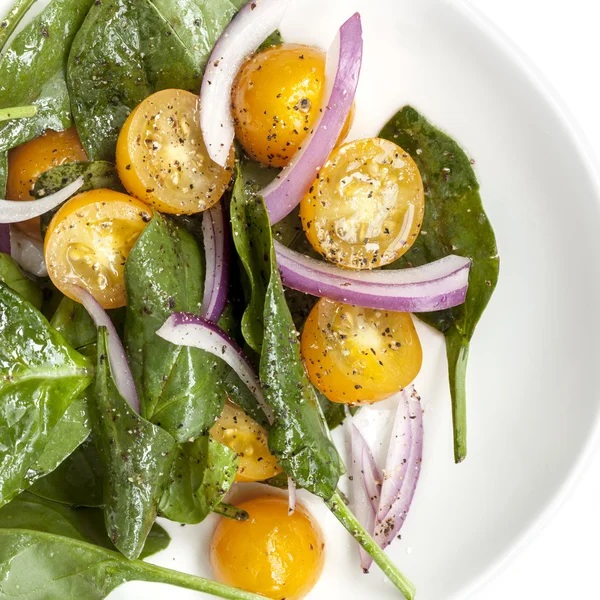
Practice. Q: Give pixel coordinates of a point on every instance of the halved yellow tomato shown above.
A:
(162, 158)
(28, 161)
(276, 101)
(243, 435)
(366, 206)
(88, 241)
(357, 355)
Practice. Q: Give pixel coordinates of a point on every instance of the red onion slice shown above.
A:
(397, 457)
(291, 496)
(364, 506)
(5, 238)
(217, 269)
(119, 365)
(435, 286)
(247, 31)
(387, 528)
(184, 329)
(15, 211)
(28, 253)
(344, 61)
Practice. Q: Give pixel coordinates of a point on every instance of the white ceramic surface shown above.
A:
(533, 403)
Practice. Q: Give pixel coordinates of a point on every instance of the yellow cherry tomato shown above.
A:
(88, 241)
(162, 158)
(273, 553)
(357, 355)
(28, 161)
(366, 206)
(243, 435)
(276, 100)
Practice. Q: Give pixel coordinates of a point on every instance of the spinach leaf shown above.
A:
(48, 551)
(197, 23)
(455, 223)
(40, 377)
(12, 275)
(239, 394)
(137, 457)
(29, 512)
(203, 472)
(181, 388)
(78, 480)
(32, 71)
(74, 323)
(3, 172)
(299, 437)
(12, 19)
(96, 175)
(124, 52)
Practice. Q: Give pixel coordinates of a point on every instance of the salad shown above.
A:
(201, 275)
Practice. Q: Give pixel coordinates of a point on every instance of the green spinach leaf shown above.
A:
(455, 223)
(48, 551)
(181, 388)
(74, 323)
(299, 437)
(137, 457)
(11, 21)
(32, 71)
(3, 172)
(78, 480)
(40, 377)
(12, 275)
(202, 474)
(124, 52)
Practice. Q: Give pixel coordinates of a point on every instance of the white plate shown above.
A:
(533, 399)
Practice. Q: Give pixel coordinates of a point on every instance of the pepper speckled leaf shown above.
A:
(299, 437)
(40, 378)
(136, 455)
(181, 389)
(32, 71)
(455, 223)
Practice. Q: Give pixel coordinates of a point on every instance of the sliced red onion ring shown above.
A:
(387, 528)
(344, 61)
(5, 238)
(28, 253)
(214, 232)
(247, 31)
(397, 457)
(119, 365)
(184, 329)
(364, 505)
(291, 496)
(435, 286)
(15, 211)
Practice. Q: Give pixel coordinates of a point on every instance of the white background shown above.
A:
(563, 39)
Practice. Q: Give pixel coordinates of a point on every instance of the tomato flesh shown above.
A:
(357, 355)
(245, 436)
(89, 240)
(366, 206)
(273, 553)
(162, 158)
(276, 101)
(28, 161)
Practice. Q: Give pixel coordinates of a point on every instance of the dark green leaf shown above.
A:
(197, 23)
(3, 172)
(181, 388)
(40, 377)
(78, 481)
(455, 223)
(51, 552)
(16, 280)
(137, 457)
(202, 474)
(11, 21)
(124, 52)
(239, 394)
(32, 71)
(299, 437)
(96, 175)
(74, 323)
